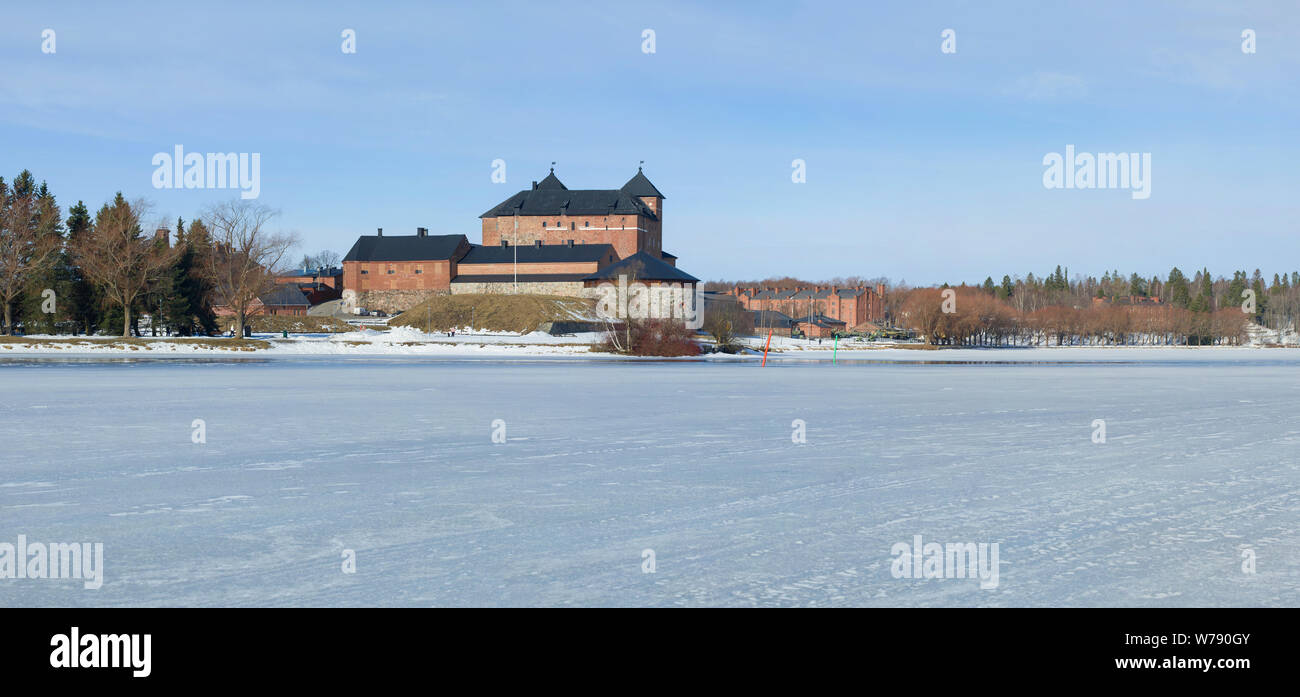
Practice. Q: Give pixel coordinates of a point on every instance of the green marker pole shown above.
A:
(836, 349)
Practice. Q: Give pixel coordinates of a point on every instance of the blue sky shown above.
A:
(921, 166)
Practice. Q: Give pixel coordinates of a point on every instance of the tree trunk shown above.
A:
(239, 324)
(126, 320)
(9, 319)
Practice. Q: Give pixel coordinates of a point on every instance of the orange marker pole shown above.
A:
(765, 348)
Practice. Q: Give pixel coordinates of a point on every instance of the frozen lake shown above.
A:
(394, 459)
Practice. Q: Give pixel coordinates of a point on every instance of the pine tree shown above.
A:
(52, 276)
(83, 303)
(1136, 287)
(1179, 293)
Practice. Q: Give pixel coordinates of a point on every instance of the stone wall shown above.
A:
(572, 289)
(392, 301)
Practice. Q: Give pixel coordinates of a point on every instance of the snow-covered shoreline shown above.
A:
(407, 341)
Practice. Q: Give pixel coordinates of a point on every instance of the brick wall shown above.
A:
(631, 233)
(364, 276)
(527, 268)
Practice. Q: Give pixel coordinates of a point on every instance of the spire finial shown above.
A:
(552, 166)
(639, 165)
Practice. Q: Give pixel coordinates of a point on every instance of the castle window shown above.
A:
(572, 226)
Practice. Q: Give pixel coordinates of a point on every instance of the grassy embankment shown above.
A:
(493, 313)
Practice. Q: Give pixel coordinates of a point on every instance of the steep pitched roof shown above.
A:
(593, 202)
(405, 247)
(639, 185)
(644, 267)
(551, 182)
(552, 253)
(285, 294)
(551, 197)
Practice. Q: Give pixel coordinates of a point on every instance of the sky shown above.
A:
(922, 166)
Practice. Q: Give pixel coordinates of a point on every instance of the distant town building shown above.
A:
(319, 284)
(853, 306)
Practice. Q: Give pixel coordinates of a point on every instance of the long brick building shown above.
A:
(548, 239)
(854, 306)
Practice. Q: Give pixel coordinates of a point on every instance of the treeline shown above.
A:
(1112, 310)
(976, 318)
(1199, 293)
(87, 274)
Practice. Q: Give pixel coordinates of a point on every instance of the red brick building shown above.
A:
(319, 284)
(854, 306)
(548, 239)
(629, 218)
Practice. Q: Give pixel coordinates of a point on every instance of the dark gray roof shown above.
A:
(822, 321)
(643, 267)
(771, 318)
(406, 248)
(523, 278)
(592, 202)
(666, 255)
(528, 253)
(639, 185)
(551, 182)
(285, 294)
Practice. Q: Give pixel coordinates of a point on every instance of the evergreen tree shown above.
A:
(83, 303)
(51, 277)
(1176, 286)
(1007, 289)
(1136, 286)
(988, 285)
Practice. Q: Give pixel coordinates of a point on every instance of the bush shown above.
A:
(654, 337)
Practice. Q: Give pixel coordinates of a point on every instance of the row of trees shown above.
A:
(98, 274)
(968, 316)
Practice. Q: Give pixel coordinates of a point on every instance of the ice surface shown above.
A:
(392, 457)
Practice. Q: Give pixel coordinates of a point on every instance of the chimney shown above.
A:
(534, 183)
(381, 232)
(422, 232)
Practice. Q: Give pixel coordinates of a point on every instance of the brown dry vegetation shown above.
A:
(980, 319)
(9, 342)
(495, 313)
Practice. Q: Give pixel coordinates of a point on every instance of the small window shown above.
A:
(419, 270)
(572, 226)
(391, 272)
(364, 272)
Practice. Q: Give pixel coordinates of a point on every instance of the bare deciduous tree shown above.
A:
(245, 255)
(117, 257)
